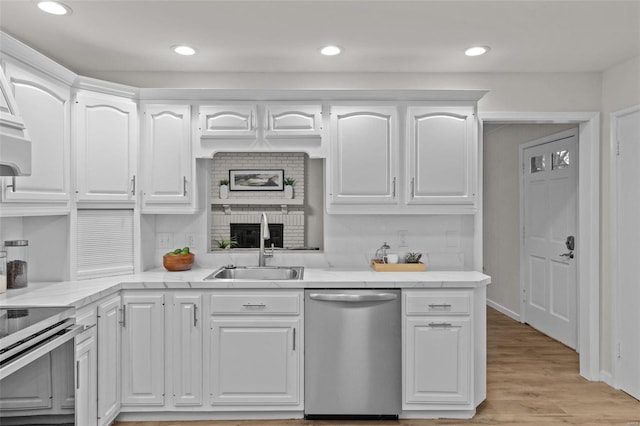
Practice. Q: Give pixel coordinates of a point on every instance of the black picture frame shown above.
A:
(256, 180)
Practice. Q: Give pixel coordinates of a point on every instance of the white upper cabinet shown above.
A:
(45, 108)
(363, 155)
(437, 150)
(286, 121)
(169, 182)
(441, 155)
(260, 127)
(105, 141)
(228, 121)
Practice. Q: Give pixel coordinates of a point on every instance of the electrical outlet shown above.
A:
(402, 238)
(164, 240)
(190, 239)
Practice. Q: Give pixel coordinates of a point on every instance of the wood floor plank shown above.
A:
(531, 380)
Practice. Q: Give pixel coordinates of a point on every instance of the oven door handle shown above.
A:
(47, 346)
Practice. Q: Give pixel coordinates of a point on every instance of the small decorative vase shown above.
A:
(288, 191)
(224, 191)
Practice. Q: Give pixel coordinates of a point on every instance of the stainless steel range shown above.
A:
(37, 372)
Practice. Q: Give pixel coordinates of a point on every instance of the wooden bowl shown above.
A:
(178, 262)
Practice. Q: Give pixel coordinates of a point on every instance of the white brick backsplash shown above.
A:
(293, 166)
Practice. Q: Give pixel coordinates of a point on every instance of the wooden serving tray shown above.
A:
(379, 266)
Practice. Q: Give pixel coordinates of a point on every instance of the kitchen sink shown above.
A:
(253, 273)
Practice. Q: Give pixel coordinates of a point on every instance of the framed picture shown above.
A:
(256, 180)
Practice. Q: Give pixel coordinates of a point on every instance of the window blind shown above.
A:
(104, 243)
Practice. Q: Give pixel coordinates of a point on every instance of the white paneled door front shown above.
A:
(105, 140)
(548, 265)
(364, 155)
(143, 349)
(255, 361)
(45, 108)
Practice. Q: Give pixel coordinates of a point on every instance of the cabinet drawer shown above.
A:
(437, 303)
(255, 303)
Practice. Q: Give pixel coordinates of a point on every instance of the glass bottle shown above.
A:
(17, 251)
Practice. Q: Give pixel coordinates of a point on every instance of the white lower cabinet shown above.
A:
(438, 358)
(109, 332)
(437, 361)
(185, 349)
(230, 350)
(87, 378)
(254, 361)
(255, 341)
(143, 349)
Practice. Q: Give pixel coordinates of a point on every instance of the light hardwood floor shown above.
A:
(531, 380)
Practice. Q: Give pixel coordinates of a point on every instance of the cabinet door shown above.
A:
(143, 350)
(105, 140)
(255, 361)
(228, 121)
(364, 155)
(437, 361)
(167, 154)
(29, 388)
(86, 402)
(286, 121)
(109, 314)
(441, 155)
(45, 109)
(185, 365)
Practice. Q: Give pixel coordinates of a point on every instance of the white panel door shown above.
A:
(626, 240)
(229, 121)
(437, 361)
(255, 361)
(29, 388)
(109, 314)
(550, 216)
(45, 108)
(143, 349)
(185, 366)
(105, 140)
(364, 155)
(441, 160)
(292, 121)
(167, 155)
(86, 397)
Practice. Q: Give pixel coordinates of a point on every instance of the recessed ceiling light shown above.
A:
(331, 50)
(477, 50)
(183, 49)
(54, 8)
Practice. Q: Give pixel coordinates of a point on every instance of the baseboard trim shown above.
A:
(508, 312)
(607, 377)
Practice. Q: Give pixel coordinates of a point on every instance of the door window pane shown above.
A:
(560, 159)
(537, 163)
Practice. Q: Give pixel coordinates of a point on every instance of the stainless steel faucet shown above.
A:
(264, 235)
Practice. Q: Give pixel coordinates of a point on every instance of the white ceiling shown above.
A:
(104, 36)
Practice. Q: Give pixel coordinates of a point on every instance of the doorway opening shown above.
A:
(502, 234)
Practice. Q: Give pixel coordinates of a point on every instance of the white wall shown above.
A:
(620, 89)
(501, 198)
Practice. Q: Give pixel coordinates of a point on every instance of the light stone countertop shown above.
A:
(83, 292)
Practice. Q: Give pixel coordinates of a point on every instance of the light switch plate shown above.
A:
(164, 240)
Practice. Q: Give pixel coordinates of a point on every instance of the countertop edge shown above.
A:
(78, 294)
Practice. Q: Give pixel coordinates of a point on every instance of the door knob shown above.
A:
(567, 255)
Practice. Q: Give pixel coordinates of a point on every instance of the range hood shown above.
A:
(15, 144)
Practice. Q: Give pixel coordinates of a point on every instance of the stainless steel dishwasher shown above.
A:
(352, 354)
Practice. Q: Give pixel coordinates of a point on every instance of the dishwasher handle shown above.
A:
(353, 298)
